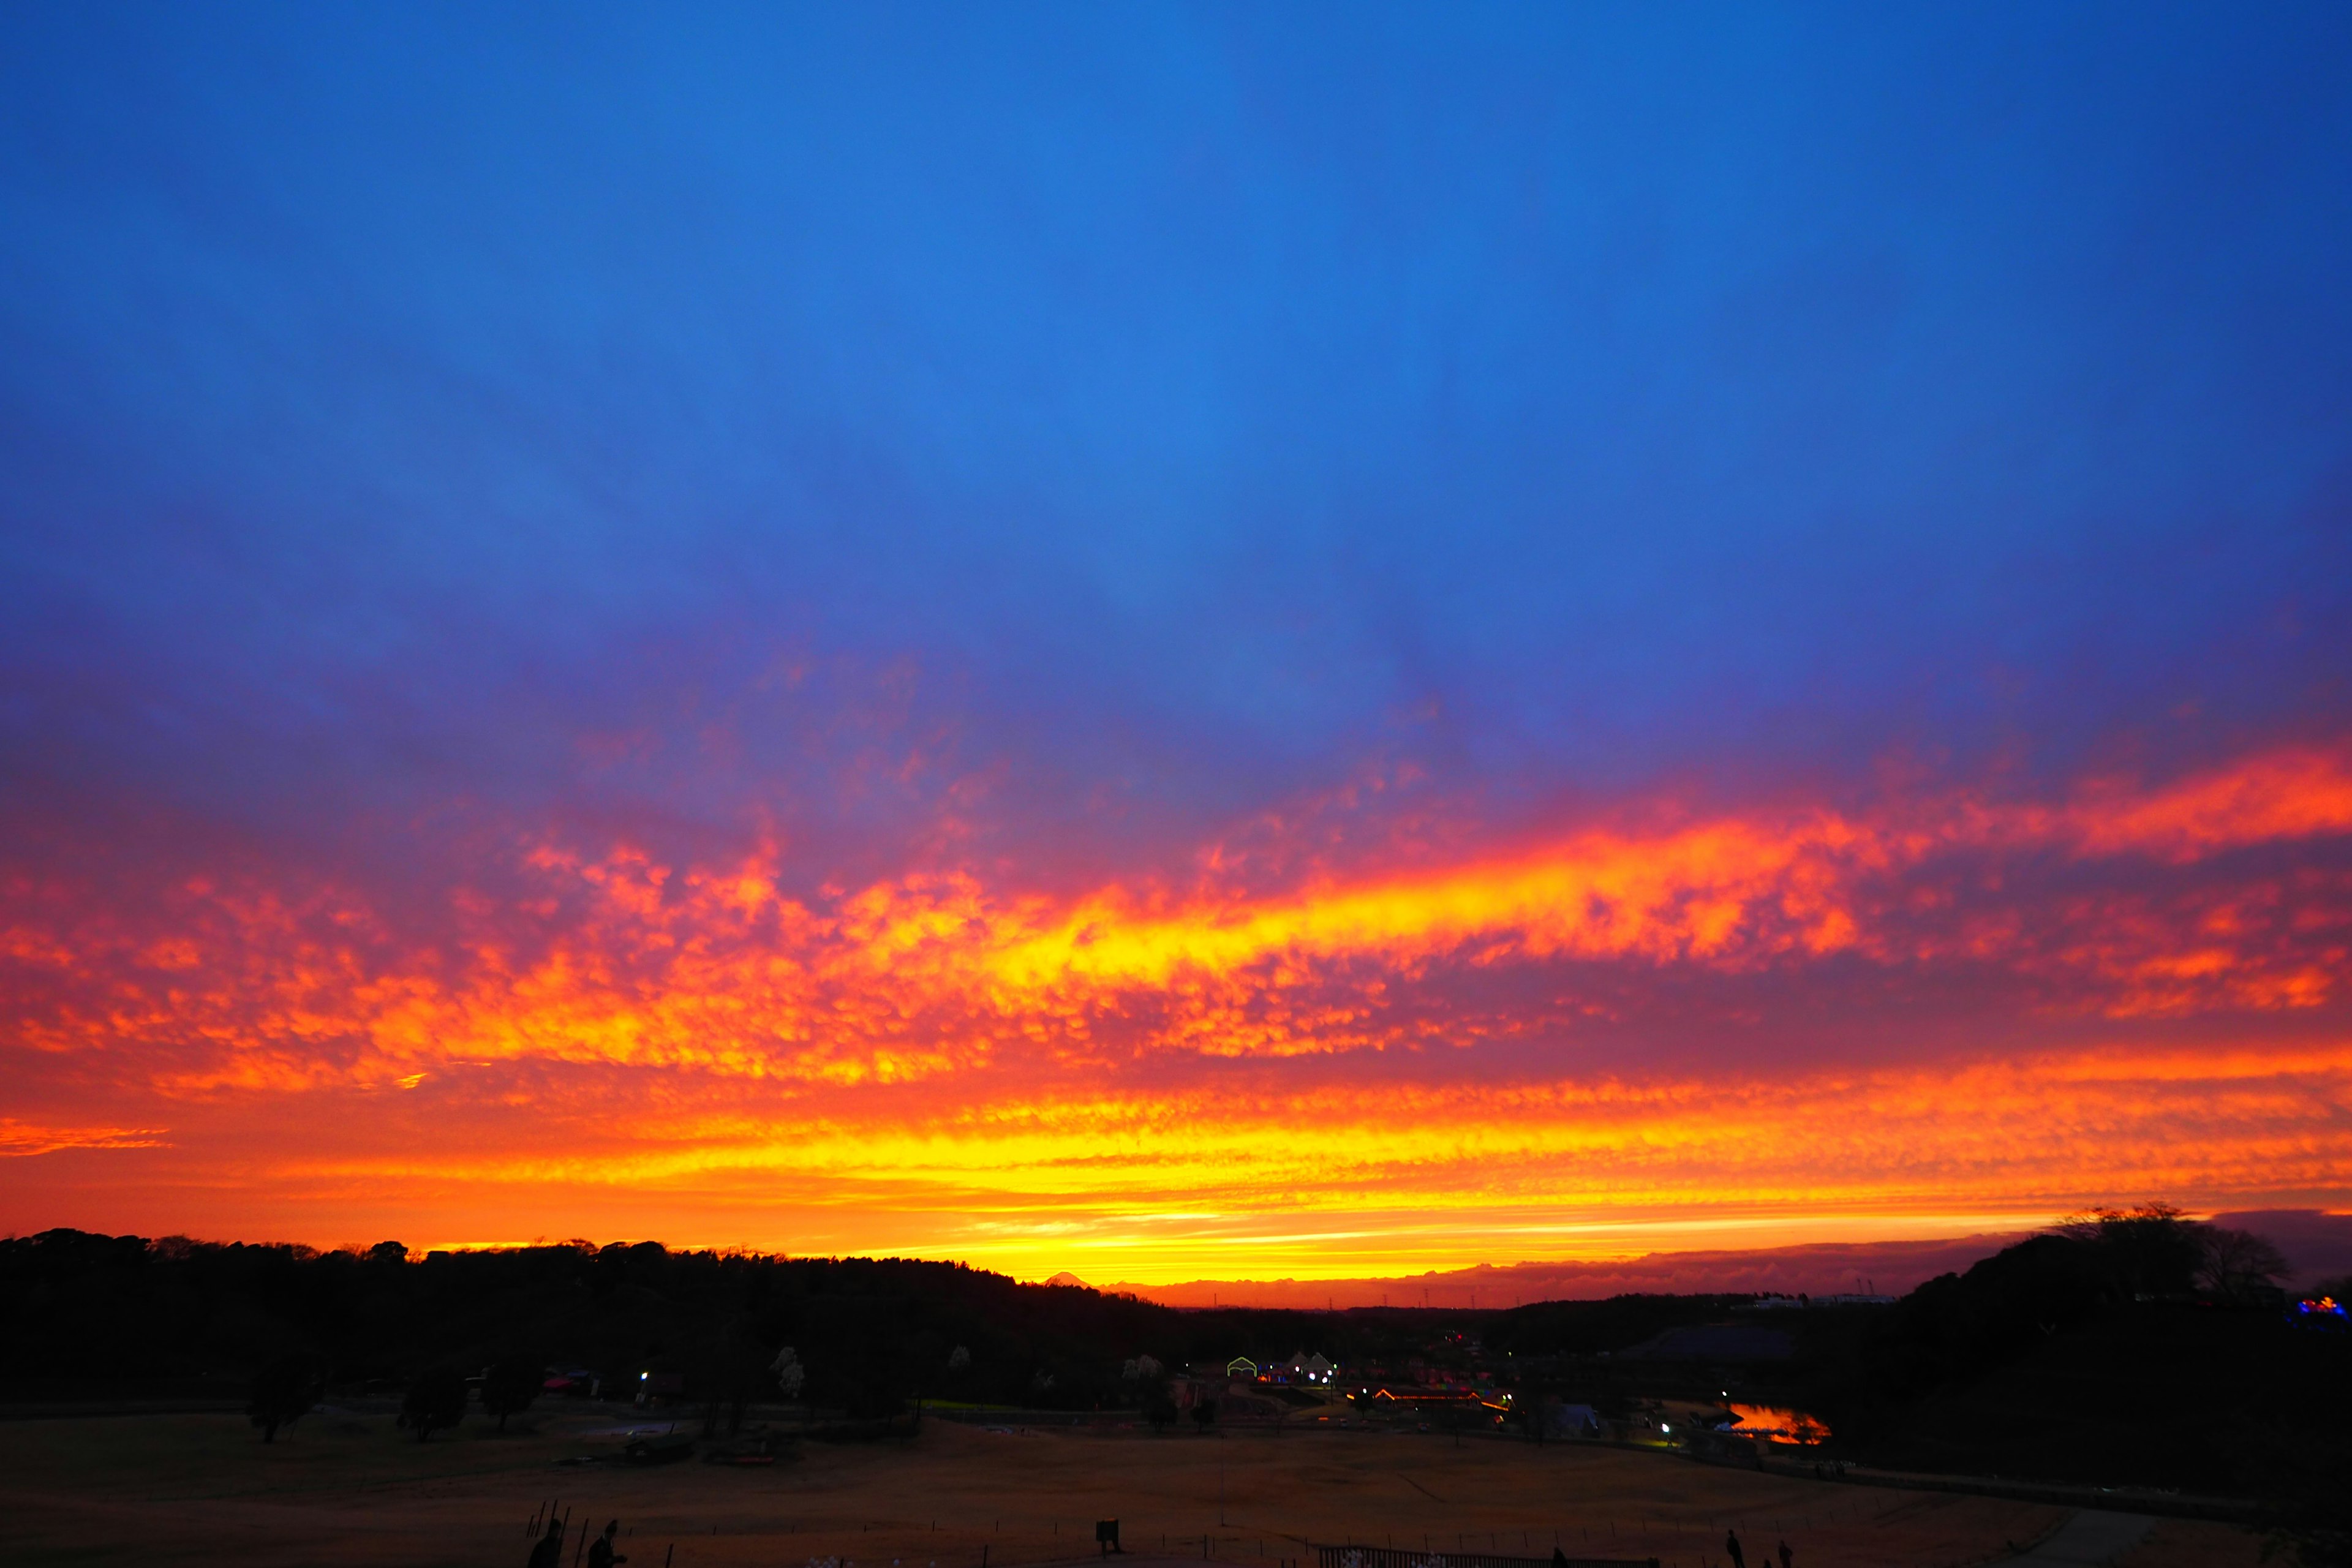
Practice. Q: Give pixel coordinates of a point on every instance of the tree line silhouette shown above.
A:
(114, 1317)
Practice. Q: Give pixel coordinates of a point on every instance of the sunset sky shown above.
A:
(1172, 641)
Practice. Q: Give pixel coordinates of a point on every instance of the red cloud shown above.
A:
(1016, 1022)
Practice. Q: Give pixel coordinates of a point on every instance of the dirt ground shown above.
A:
(2194, 1544)
(349, 1489)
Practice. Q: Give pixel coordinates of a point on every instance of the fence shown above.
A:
(1390, 1557)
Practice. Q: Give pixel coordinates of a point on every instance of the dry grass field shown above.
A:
(349, 1490)
(2194, 1544)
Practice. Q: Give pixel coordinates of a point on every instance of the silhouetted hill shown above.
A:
(2096, 1357)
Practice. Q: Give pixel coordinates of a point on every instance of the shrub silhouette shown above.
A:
(436, 1399)
(283, 1390)
(511, 1385)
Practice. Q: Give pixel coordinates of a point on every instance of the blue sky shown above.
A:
(1163, 413)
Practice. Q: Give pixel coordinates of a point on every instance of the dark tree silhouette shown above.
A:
(926, 1356)
(2147, 1251)
(436, 1399)
(283, 1390)
(728, 1371)
(1205, 1415)
(2239, 1266)
(511, 1385)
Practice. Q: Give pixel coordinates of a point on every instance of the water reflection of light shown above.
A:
(1777, 1424)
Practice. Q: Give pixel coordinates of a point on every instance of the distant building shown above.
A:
(1800, 1301)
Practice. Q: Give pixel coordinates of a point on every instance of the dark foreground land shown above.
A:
(2118, 1353)
(347, 1488)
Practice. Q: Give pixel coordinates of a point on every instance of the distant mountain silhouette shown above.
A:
(1888, 1268)
(2317, 1245)
(1066, 1278)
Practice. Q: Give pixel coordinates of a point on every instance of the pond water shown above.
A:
(1779, 1424)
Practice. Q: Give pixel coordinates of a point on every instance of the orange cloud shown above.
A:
(718, 969)
(929, 1045)
(1267, 1176)
(2293, 794)
(19, 1139)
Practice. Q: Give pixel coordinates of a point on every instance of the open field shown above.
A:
(349, 1489)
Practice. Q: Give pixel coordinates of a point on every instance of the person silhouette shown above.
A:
(1559, 1558)
(1731, 1550)
(600, 1551)
(1788, 1558)
(547, 1552)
